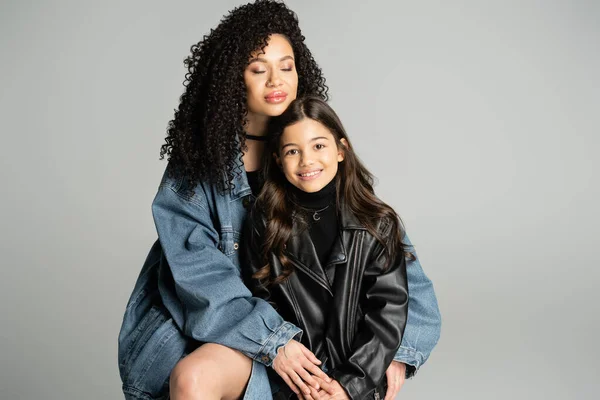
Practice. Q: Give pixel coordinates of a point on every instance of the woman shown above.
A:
(327, 253)
(191, 328)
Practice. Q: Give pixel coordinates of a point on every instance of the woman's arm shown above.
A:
(216, 306)
(424, 322)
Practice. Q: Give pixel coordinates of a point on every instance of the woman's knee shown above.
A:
(191, 379)
(211, 371)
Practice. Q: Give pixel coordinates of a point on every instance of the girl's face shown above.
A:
(308, 155)
(271, 78)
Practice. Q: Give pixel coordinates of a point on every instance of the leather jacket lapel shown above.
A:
(301, 251)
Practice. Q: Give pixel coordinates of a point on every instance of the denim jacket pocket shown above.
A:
(139, 337)
(229, 244)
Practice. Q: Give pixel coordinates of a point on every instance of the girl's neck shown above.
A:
(315, 200)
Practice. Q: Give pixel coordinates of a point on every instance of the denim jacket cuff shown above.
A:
(412, 358)
(278, 338)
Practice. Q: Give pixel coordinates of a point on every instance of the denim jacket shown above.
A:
(190, 291)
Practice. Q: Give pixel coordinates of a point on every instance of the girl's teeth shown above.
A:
(310, 174)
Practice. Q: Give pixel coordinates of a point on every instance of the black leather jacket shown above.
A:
(355, 324)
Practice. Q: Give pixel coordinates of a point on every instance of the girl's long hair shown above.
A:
(354, 189)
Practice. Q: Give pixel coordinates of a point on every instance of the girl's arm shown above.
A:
(295, 363)
(384, 302)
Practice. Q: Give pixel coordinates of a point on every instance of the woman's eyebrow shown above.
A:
(264, 60)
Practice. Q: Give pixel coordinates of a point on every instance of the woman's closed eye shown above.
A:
(287, 67)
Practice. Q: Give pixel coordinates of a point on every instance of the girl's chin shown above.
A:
(309, 187)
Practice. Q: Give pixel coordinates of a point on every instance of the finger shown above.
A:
(314, 393)
(310, 355)
(299, 382)
(328, 387)
(306, 377)
(316, 371)
(324, 395)
(289, 382)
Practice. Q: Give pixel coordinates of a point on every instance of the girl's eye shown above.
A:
(258, 72)
(319, 146)
(291, 152)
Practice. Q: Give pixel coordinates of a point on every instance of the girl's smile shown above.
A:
(309, 155)
(310, 175)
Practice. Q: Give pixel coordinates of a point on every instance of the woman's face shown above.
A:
(271, 78)
(309, 155)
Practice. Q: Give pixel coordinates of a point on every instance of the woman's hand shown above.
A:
(395, 374)
(331, 390)
(296, 365)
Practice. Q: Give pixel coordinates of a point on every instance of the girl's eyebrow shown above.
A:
(263, 60)
(311, 140)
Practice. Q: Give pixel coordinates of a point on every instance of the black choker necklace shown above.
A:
(259, 138)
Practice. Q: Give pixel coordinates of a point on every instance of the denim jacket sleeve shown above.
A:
(216, 305)
(424, 322)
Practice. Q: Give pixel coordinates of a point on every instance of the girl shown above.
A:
(191, 328)
(327, 253)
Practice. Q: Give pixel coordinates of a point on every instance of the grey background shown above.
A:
(480, 119)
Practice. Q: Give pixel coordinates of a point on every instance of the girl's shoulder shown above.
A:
(257, 216)
(385, 227)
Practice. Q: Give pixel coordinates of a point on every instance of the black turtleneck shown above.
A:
(322, 225)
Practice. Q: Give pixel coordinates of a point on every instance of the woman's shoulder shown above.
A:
(176, 182)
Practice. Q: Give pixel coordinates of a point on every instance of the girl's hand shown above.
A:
(332, 390)
(296, 365)
(395, 374)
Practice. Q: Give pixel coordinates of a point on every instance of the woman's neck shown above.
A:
(256, 124)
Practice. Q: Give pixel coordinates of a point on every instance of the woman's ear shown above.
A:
(342, 150)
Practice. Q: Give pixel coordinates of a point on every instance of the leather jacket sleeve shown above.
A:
(384, 302)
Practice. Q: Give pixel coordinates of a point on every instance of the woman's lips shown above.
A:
(309, 176)
(276, 97)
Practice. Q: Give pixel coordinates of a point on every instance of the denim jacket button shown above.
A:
(266, 359)
(236, 246)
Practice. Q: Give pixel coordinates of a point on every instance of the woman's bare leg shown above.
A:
(211, 372)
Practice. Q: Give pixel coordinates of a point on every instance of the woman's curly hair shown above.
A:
(206, 134)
